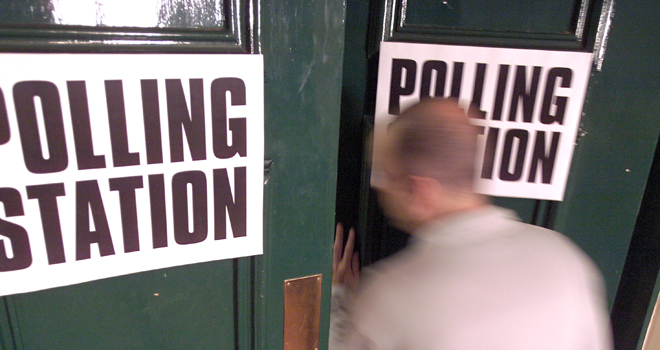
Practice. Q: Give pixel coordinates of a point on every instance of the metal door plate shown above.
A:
(302, 313)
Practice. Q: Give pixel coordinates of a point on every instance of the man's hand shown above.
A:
(345, 264)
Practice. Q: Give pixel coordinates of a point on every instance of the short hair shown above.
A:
(436, 140)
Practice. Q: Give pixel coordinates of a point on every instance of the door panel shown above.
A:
(6, 339)
(231, 304)
(168, 26)
(573, 26)
(618, 130)
(611, 166)
(189, 307)
(175, 308)
(166, 14)
(613, 158)
(515, 16)
(302, 43)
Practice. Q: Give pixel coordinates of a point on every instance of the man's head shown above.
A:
(426, 162)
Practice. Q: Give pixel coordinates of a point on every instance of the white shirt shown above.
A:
(478, 280)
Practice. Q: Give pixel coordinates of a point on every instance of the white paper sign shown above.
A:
(532, 101)
(114, 164)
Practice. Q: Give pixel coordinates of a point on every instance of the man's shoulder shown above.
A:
(548, 240)
(555, 249)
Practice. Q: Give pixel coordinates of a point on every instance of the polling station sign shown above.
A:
(114, 164)
(531, 102)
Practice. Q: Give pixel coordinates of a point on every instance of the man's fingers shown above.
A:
(339, 242)
(345, 261)
(348, 250)
(355, 266)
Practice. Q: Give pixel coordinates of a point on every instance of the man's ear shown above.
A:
(426, 195)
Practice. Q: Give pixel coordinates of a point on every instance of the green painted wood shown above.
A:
(303, 44)
(612, 162)
(367, 24)
(620, 125)
(165, 14)
(180, 27)
(353, 125)
(618, 131)
(537, 16)
(188, 307)
(244, 301)
(227, 304)
(29, 11)
(638, 288)
(6, 338)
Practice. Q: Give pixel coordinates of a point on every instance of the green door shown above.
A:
(616, 139)
(228, 304)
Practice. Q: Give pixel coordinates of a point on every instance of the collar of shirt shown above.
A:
(467, 227)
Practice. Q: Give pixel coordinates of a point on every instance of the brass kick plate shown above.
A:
(302, 313)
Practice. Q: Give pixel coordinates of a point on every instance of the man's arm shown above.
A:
(345, 278)
(345, 262)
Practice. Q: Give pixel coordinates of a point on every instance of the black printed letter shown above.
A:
(47, 195)
(238, 126)
(456, 79)
(25, 93)
(547, 160)
(129, 223)
(560, 101)
(82, 130)
(522, 94)
(18, 237)
(158, 213)
(440, 68)
(236, 206)
(88, 197)
(4, 121)
(114, 94)
(501, 89)
(396, 89)
(197, 181)
(489, 153)
(192, 122)
(151, 115)
(521, 136)
(478, 88)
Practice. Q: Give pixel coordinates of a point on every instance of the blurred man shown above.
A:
(473, 277)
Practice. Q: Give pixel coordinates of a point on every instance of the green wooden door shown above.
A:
(229, 304)
(618, 130)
